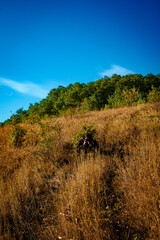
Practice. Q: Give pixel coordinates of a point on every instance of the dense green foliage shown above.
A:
(107, 92)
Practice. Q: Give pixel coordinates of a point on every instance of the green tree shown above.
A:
(19, 116)
(153, 95)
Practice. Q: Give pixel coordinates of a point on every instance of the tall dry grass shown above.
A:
(83, 201)
(47, 192)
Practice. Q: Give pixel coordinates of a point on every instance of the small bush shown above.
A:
(1, 124)
(86, 105)
(127, 97)
(17, 136)
(130, 96)
(115, 100)
(153, 95)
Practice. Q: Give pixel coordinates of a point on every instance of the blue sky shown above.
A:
(48, 43)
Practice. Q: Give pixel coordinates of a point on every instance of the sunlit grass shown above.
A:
(47, 192)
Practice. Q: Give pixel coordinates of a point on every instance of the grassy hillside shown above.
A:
(48, 192)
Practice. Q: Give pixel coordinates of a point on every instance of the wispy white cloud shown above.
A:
(115, 69)
(27, 88)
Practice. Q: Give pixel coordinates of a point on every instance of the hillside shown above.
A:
(116, 91)
(48, 192)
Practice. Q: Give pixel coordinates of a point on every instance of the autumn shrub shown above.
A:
(51, 143)
(153, 95)
(125, 97)
(16, 137)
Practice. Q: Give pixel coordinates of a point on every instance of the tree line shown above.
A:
(107, 92)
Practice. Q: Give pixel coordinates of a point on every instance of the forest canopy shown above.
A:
(107, 92)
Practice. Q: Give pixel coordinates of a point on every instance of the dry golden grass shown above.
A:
(82, 202)
(47, 192)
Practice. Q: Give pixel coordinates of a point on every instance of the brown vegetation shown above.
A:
(48, 192)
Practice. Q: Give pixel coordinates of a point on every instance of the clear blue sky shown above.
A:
(48, 43)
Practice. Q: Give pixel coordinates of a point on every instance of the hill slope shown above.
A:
(48, 192)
